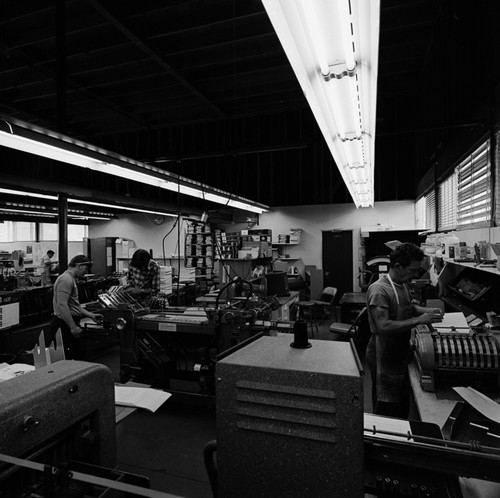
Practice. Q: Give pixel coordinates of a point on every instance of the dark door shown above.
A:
(337, 260)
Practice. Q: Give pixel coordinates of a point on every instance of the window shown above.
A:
(497, 179)
(76, 233)
(474, 189)
(420, 213)
(430, 211)
(463, 198)
(24, 231)
(50, 231)
(447, 203)
(6, 231)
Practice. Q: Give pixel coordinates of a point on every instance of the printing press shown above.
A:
(448, 354)
(158, 343)
(58, 432)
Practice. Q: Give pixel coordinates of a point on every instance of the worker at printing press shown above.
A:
(391, 316)
(143, 277)
(67, 308)
(46, 267)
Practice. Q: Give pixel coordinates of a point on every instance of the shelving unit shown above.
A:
(288, 239)
(456, 278)
(228, 245)
(199, 250)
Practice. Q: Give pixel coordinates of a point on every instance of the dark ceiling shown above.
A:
(203, 88)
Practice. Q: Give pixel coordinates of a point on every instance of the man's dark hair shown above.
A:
(79, 260)
(50, 251)
(405, 253)
(140, 258)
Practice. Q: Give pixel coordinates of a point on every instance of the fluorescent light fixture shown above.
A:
(54, 214)
(81, 201)
(332, 46)
(27, 211)
(115, 206)
(34, 140)
(27, 194)
(87, 217)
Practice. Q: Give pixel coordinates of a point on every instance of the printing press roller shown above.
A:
(462, 353)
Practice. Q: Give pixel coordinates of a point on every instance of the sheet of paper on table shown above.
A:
(140, 397)
(10, 371)
(480, 402)
(455, 323)
(387, 424)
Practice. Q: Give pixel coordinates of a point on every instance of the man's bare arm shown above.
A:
(386, 326)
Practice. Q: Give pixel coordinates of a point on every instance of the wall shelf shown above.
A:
(199, 250)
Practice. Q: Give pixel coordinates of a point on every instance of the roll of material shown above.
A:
(300, 335)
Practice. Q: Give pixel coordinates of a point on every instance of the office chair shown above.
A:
(328, 300)
(309, 311)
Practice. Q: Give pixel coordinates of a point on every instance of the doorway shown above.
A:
(337, 260)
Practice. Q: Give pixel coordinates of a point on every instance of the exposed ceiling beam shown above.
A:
(28, 61)
(155, 57)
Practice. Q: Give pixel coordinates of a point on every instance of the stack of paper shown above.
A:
(187, 275)
(166, 279)
(452, 323)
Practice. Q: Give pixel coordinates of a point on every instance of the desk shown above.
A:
(285, 312)
(351, 303)
(429, 407)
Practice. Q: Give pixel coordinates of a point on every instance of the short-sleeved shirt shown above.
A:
(381, 293)
(66, 285)
(46, 262)
(148, 278)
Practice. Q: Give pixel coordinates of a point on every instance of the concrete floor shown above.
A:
(167, 446)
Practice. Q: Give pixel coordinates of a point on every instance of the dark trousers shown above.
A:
(73, 347)
(398, 410)
(385, 408)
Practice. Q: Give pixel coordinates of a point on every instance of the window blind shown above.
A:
(497, 178)
(474, 189)
(430, 211)
(447, 203)
(420, 213)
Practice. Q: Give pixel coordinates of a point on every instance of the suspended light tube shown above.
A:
(91, 203)
(24, 137)
(332, 46)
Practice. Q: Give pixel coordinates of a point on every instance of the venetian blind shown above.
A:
(474, 189)
(497, 178)
(447, 203)
(430, 211)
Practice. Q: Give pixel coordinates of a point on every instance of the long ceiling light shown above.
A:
(82, 201)
(34, 140)
(332, 46)
(41, 213)
(127, 208)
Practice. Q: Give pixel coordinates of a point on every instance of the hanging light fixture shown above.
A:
(46, 143)
(332, 46)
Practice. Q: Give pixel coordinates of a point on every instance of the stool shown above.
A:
(305, 310)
